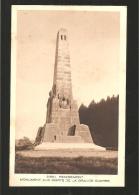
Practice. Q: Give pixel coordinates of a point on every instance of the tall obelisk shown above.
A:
(62, 121)
(62, 71)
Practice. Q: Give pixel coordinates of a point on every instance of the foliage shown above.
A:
(24, 144)
(102, 118)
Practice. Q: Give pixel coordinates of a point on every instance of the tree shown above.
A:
(102, 119)
(24, 144)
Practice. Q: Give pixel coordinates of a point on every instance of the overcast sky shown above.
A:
(94, 44)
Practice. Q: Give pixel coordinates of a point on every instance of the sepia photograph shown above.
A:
(68, 91)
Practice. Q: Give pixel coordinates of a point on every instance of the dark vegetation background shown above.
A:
(102, 118)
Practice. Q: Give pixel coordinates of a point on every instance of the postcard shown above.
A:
(67, 98)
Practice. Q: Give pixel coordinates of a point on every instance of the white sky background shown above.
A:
(94, 41)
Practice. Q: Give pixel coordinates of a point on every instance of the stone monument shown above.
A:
(62, 123)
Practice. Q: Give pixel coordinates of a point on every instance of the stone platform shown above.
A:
(73, 146)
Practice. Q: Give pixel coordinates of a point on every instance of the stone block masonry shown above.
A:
(62, 123)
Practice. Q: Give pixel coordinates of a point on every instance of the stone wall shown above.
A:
(62, 110)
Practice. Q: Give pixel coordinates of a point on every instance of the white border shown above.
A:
(114, 180)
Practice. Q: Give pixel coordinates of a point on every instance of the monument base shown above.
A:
(80, 146)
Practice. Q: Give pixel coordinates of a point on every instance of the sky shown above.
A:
(94, 45)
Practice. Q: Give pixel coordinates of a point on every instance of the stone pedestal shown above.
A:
(62, 121)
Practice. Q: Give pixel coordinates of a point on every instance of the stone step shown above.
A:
(81, 146)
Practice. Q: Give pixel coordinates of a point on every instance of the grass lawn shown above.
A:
(66, 165)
